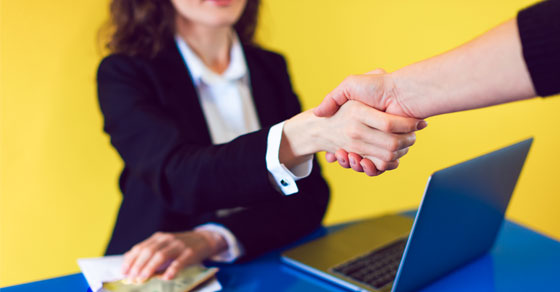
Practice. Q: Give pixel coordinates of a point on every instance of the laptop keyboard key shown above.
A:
(376, 268)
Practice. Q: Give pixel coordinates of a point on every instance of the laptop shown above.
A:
(457, 221)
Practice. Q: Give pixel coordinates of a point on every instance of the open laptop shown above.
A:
(458, 219)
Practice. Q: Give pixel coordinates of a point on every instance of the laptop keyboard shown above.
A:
(377, 268)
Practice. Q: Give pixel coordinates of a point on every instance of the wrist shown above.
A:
(411, 91)
(299, 139)
(215, 242)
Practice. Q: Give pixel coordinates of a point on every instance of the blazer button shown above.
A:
(284, 183)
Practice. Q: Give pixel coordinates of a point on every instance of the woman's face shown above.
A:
(212, 13)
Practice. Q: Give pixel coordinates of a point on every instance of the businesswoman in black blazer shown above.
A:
(196, 112)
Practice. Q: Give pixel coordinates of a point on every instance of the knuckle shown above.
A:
(389, 125)
(412, 139)
(135, 249)
(149, 250)
(385, 125)
(167, 237)
(159, 256)
(382, 165)
(389, 155)
(353, 132)
(393, 144)
(188, 250)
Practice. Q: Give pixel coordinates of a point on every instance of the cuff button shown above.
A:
(284, 183)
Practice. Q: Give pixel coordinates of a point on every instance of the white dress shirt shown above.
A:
(228, 108)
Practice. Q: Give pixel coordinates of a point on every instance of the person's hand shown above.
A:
(170, 251)
(381, 137)
(376, 89)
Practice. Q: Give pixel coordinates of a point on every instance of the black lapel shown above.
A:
(263, 89)
(181, 98)
(179, 94)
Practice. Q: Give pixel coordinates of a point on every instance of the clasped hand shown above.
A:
(388, 112)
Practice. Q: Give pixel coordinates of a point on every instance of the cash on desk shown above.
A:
(104, 274)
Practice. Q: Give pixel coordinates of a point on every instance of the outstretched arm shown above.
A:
(486, 71)
(514, 61)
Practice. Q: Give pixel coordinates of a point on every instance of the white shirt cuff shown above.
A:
(285, 178)
(234, 249)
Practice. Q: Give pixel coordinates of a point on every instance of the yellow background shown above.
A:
(59, 196)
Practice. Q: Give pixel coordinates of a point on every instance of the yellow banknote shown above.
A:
(188, 279)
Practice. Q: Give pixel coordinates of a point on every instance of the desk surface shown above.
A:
(521, 260)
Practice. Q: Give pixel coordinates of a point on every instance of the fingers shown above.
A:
(160, 258)
(342, 158)
(147, 252)
(184, 259)
(389, 123)
(372, 166)
(355, 162)
(382, 165)
(329, 105)
(369, 167)
(387, 141)
(131, 256)
(330, 157)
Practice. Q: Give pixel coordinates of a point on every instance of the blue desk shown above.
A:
(521, 260)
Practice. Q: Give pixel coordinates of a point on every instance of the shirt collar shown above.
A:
(236, 69)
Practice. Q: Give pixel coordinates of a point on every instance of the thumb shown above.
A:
(332, 102)
(327, 108)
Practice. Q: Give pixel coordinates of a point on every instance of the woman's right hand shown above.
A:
(380, 137)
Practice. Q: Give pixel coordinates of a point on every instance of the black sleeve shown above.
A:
(274, 224)
(539, 30)
(190, 178)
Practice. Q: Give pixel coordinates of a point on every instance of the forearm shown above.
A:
(271, 225)
(197, 177)
(486, 71)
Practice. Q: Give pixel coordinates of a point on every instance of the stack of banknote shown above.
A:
(193, 278)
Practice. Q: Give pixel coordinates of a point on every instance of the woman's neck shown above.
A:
(212, 45)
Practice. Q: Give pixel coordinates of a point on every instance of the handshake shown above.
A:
(369, 121)
(363, 123)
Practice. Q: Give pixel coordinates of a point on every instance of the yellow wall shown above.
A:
(58, 182)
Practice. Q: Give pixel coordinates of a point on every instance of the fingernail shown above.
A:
(421, 125)
(352, 161)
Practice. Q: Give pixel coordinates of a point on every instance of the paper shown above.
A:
(98, 271)
(103, 269)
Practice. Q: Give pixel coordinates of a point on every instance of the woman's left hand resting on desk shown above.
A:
(178, 250)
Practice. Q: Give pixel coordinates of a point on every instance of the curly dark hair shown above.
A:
(144, 27)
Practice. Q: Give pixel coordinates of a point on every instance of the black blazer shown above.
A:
(174, 178)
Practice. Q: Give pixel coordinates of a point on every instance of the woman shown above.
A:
(196, 112)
